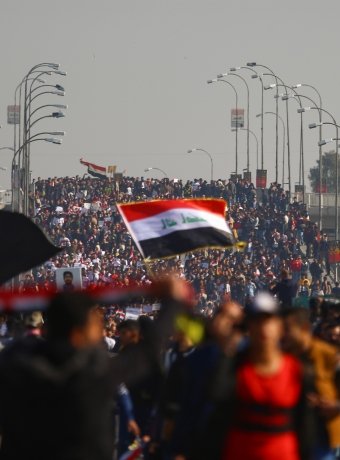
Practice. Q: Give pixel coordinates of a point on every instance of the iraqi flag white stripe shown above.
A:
(167, 222)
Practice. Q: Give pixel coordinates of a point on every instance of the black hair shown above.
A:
(67, 311)
(129, 325)
(67, 273)
(301, 315)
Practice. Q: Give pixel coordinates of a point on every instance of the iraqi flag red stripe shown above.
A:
(146, 209)
(95, 167)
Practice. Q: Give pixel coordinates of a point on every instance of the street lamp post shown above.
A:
(25, 146)
(257, 143)
(287, 126)
(26, 151)
(157, 169)
(34, 138)
(36, 79)
(37, 69)
(211, 160)
(297, 98)
(320, 111)
(284, 141)
(323, 142)
(236, 99)
(26, 133)
(256, 75)
(299, 85)
(254, 64)
(19, 87)
(248, 106)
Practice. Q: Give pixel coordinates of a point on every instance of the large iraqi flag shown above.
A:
(165, 228)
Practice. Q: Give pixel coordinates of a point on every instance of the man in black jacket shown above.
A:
(285, 290)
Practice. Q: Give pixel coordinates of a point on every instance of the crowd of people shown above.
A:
(80, 215)
(239, 360)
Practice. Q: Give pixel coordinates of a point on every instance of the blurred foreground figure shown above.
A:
(260, 394)
(323, 358)
(57, 395)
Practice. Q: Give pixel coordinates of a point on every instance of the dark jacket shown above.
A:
(286, 291)
(55, 402)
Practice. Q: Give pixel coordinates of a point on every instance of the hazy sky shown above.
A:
(137, 70)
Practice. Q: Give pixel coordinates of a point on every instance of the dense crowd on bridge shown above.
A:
(80, 215)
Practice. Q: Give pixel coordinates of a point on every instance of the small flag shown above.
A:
(170, 227)
(94, 170)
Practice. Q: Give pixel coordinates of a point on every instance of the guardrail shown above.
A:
(312, 199)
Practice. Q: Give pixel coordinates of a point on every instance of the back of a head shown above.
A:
(67, 311)
(284, 274)
(300, 315)
(129, 325)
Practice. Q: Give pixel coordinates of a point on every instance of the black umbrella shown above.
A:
(23, 245)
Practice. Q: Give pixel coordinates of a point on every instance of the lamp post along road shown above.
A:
(256, 75)
(324, 142)
(254, 64)
(320, 111)
(236, 101)
(296, 96)
(248, 106)
(25, 151)
(283, 141)
(257, 143)
(298, 85)
(34, 138)
(58, 90)
(157, 169)
(211, 160)
(287, 127)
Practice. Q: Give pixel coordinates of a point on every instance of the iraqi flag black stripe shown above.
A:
(95, 173)
(185, 241)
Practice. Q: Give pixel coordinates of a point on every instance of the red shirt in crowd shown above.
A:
(262, 426)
